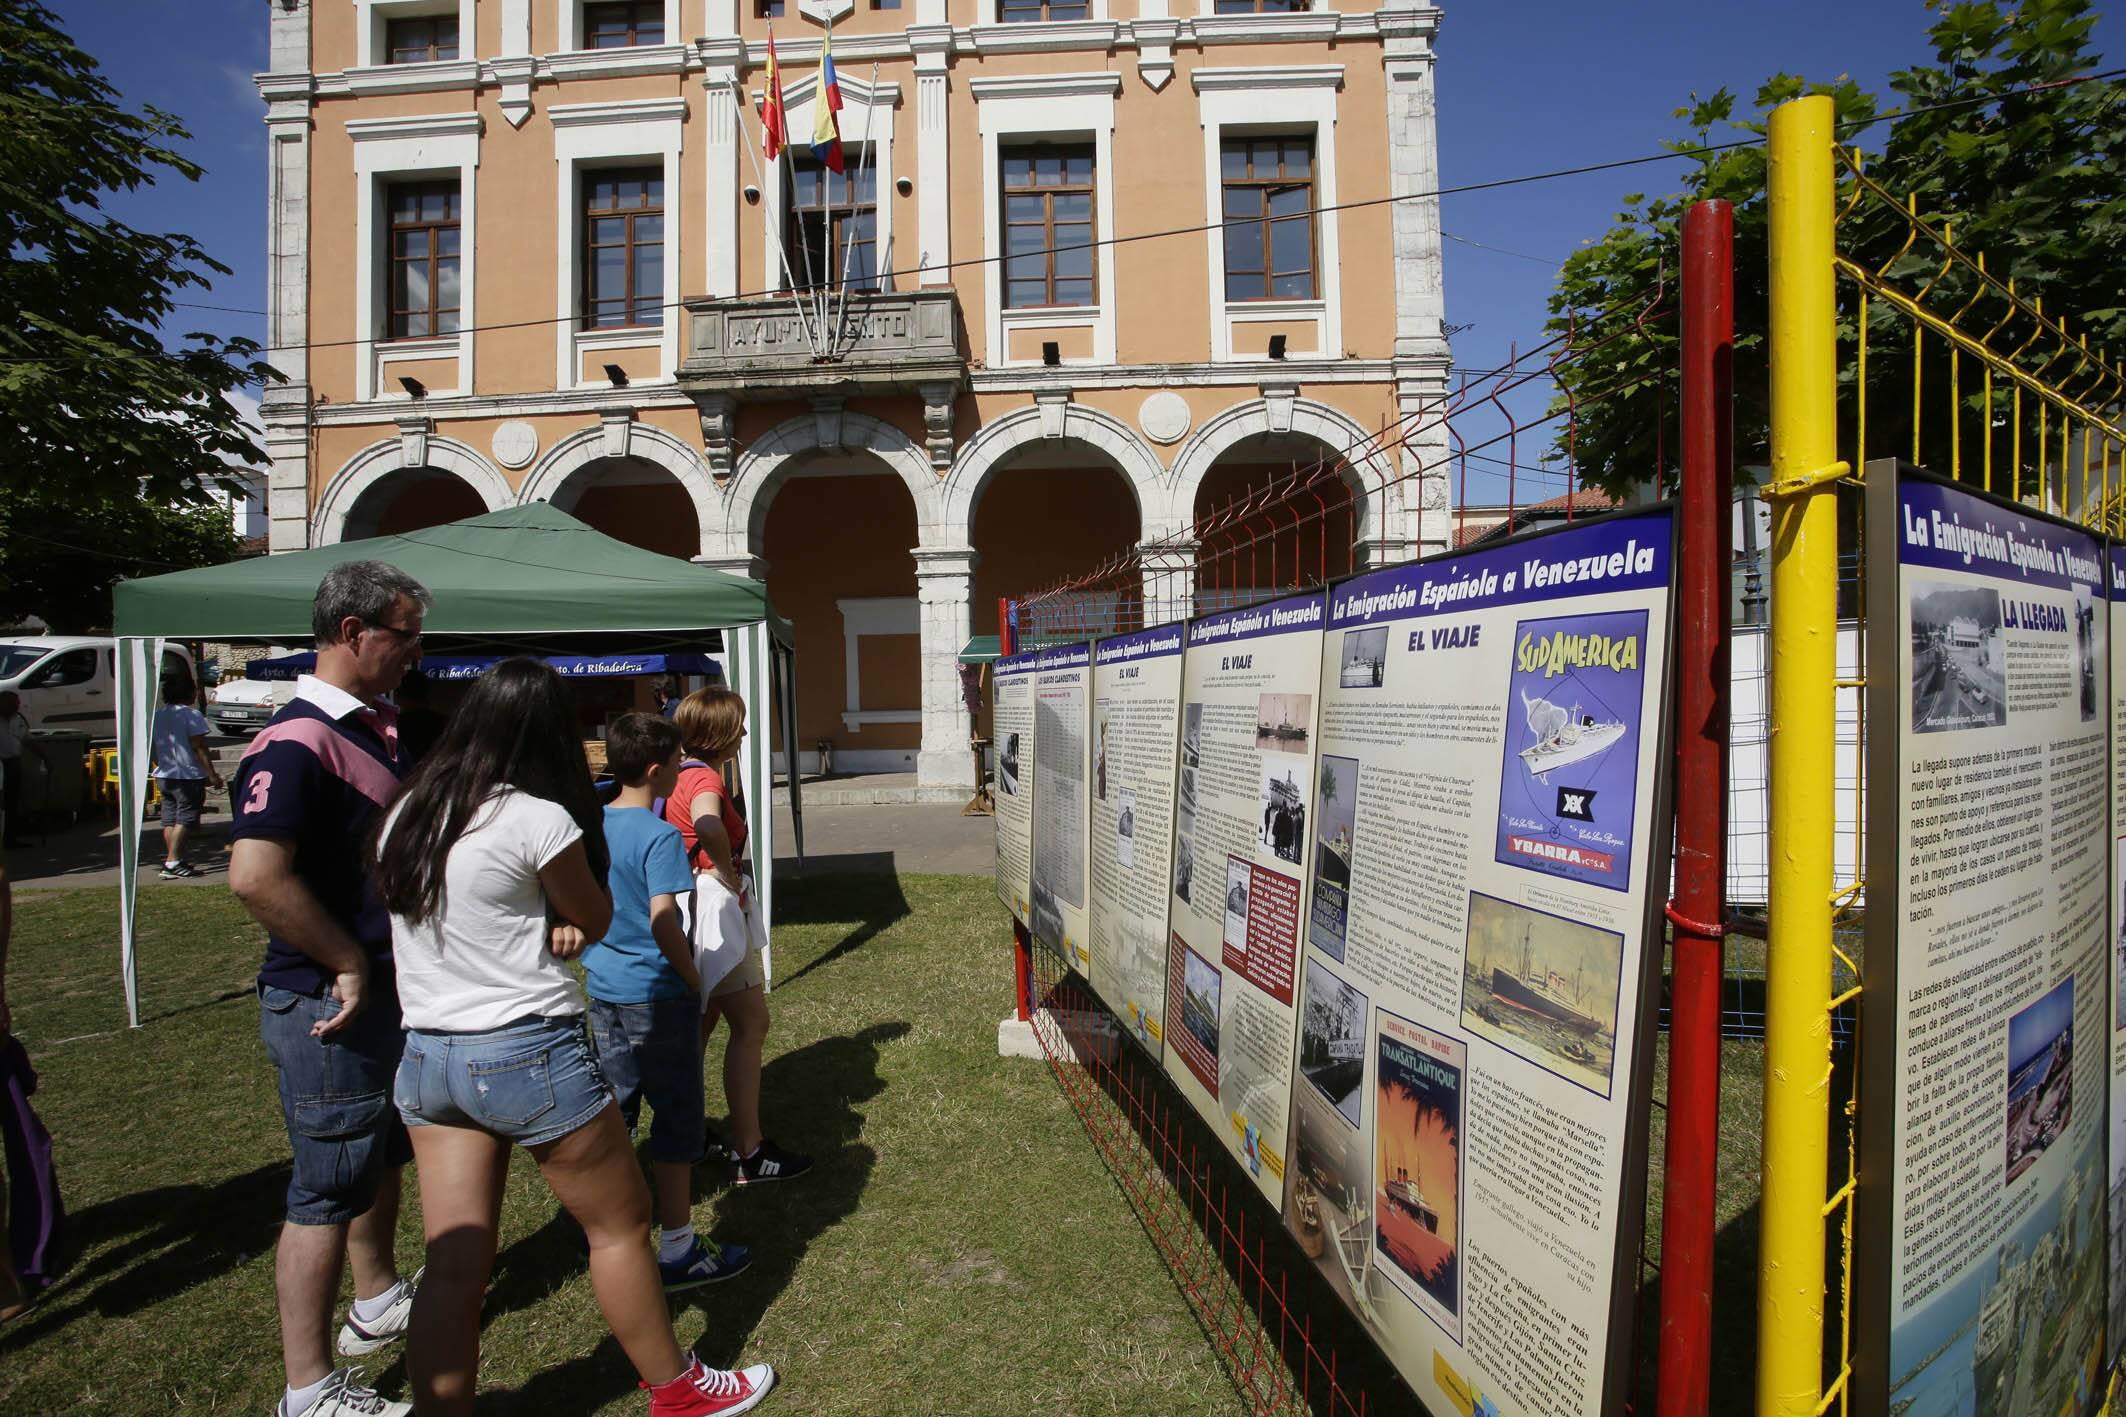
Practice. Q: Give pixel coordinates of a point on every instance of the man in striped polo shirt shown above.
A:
(309, 787)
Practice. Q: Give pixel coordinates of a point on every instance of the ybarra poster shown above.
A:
(1011, 720)
(1481, 946)
(2115, 958)
(1062, 699)
(1244, 805)
(1980, 1278)
(1135, 737)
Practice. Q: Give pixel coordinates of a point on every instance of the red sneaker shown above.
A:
(711, 1392)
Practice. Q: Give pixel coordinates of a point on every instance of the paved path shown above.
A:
(884, 838)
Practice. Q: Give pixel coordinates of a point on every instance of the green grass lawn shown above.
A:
(960, 1250)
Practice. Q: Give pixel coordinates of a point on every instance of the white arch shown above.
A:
(1336, 430)
(768, 461)
(643, 441)
(997, 440)
(381, 460)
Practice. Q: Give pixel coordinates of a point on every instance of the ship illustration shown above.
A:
(1339, 846)
(1562, 736)
(1405, 1196)
(1544, 994)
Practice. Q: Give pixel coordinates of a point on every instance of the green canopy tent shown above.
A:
(526, 579)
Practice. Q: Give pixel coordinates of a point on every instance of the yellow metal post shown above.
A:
(1804, 635)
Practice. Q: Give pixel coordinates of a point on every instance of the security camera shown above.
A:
(752, 195)
(903, 186)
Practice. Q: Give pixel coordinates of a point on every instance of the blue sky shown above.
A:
(1524, 86)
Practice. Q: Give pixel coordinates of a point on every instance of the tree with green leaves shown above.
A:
(2030, 169)
(106, 411)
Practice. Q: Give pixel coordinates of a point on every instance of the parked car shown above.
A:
(241, 705)
(71, 681)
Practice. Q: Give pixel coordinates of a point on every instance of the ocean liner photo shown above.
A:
(1562, 736)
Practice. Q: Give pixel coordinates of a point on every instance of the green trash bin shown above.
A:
(55, 775)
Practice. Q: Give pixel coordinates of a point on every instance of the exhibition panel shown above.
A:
(1062, 696)
(2115, 980)
(1136, 718)
(1244, 797)
(1980, 1273)
(1482, 949)
(1012, 723)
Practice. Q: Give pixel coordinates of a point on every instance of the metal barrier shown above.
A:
(1943, 364)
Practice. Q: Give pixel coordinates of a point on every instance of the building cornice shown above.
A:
(475, 406)
(1319, 26)
(425, 125)
(632, 110)
(1099, 84)
(616, 63)
(1057, 37)
(441, 77)
(1255, 78)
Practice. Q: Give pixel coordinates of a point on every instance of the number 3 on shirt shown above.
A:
(261, 784)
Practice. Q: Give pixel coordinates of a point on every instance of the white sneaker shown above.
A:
(344, 1397)
(358, 1336)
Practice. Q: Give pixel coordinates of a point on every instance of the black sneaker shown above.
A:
(713, 1145)
(771, 1163)
(179, 872)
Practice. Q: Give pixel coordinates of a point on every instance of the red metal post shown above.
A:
(1021, 942)
(1699, 907)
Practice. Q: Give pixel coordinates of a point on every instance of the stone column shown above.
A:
(944, 582)
(1422, 357)
(284, 408)
(933, 153)
(1169, 569)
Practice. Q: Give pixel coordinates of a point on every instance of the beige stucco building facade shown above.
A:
(525, 250)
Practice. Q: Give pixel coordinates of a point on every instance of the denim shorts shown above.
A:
(653, 1051)
(336, 1099)
(531, 1081)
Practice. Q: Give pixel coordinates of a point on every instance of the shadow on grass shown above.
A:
(156, 1245)
(872, 902)
(812, 1094)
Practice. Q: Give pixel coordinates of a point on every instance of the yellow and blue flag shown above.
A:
(826, 110)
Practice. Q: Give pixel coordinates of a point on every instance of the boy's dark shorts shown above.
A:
(653, 1051)
(182, 799)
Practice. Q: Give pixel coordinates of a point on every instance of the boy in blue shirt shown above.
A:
(645, 996)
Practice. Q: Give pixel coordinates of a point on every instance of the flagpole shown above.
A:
(841, 315)
(822, 291)
(782, 247)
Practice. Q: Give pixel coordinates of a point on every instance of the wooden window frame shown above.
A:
(1261, 7)
(836, 211)
(640, 14)
(1264, 184)
(1028, 154)
(1034, 12)
(432, 51)
(591, 216)
(396, 319)
(769, 9)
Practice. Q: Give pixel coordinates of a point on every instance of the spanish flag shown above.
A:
(774, 123)
(826, 124)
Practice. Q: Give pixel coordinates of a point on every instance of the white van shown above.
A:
(71, 681)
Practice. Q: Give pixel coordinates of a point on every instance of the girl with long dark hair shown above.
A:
(492, 864)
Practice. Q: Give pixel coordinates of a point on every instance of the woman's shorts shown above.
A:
(532, 1081)
(182, 798)
(750, 973)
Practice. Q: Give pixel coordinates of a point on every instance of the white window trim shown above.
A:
(991, 12)
(1271, 99)
(388, 150)
(593, 135)
(874, 615)
(572, 30)
(370, 16)
(1034, 107)
(861, 104)
(992, 34)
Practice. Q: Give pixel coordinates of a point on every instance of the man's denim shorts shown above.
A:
(182, 800)
(653, 1051)
(531, 1081)
(336, 1099)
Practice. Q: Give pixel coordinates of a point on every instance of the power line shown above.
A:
(1459, 189)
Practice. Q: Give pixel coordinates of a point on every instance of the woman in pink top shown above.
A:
(712, 723)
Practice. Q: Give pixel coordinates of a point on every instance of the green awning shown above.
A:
(982, 649)
(523, 573)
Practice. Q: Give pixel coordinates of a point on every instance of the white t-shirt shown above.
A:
(482, 961)
(175, 727)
